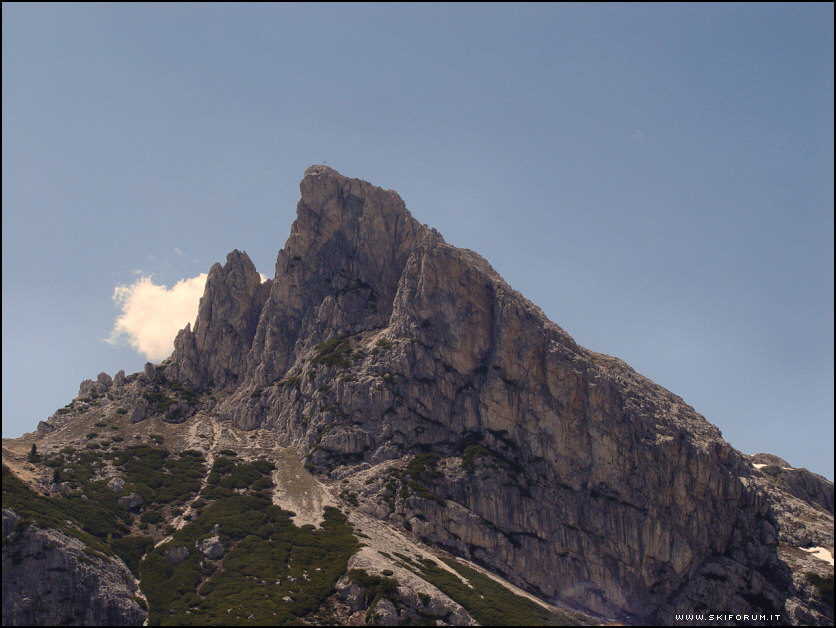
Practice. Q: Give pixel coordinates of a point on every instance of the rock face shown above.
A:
(800, 483)
(116, 485)
(176, 555)
(61, 583)
(215, 353)
(211, 548)
(131, 502)
(579, 479)
(481, 426)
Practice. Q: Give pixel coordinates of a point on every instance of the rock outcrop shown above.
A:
(408, 369)
(211, 547)
(52, 579)
(214, 354)
(580, 471)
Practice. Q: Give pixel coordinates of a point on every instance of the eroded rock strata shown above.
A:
(558, 468)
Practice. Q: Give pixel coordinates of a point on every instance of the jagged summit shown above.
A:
(605, 452)
(446, 404)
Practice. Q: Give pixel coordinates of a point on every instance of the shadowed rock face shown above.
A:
(559, 468)
(49, 580)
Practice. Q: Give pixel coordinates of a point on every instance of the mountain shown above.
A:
(386, 432)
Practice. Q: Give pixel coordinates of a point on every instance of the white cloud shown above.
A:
(153, 314)
(637, 135)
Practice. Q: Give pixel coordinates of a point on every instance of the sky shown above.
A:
(657, 178)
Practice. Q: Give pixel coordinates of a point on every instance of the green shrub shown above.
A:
(487, 601)
(265, 554)
(151, 516)
(293, 381)
(471, 453)
(376, 586)
(334, 352)
(824, 585)
(131, 549)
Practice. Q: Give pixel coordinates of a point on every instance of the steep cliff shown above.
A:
(52, 579)
(584, 481)
(444, 402)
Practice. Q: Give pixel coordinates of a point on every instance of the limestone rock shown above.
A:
(572, 468)
(378, 347)
(49, 579)
(215, 352)
(149, 372)
(384, 613)
(211, 548)
(353, 594)
(120, 379)
(116, 485)
(141, 411)
(176, 555)
(803, 484)
(130, 502)
(59, 487)
(10, 521)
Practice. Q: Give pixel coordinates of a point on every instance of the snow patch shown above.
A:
(821, 553)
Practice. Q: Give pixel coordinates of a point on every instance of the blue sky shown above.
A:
(659, 179)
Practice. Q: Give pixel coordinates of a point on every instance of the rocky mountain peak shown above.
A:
(215, 351)
(358, 227)
(431, 395)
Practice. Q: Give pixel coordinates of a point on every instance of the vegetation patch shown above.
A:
(230, 475)
(292, 381)
(376, 587)
(487, 601)
(185, 393)
(273, 573)
(470, 454)
(334, 352)
(416, 478)
(48, 512)
(159, 399)
(91, 513)
(824, 585)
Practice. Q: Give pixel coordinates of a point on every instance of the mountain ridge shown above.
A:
(376, 344)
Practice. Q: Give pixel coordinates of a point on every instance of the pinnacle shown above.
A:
(321, 169)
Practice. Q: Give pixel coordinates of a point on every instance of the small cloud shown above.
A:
(263, 277)
(637, 135)
(153, 314)
(178, 251)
